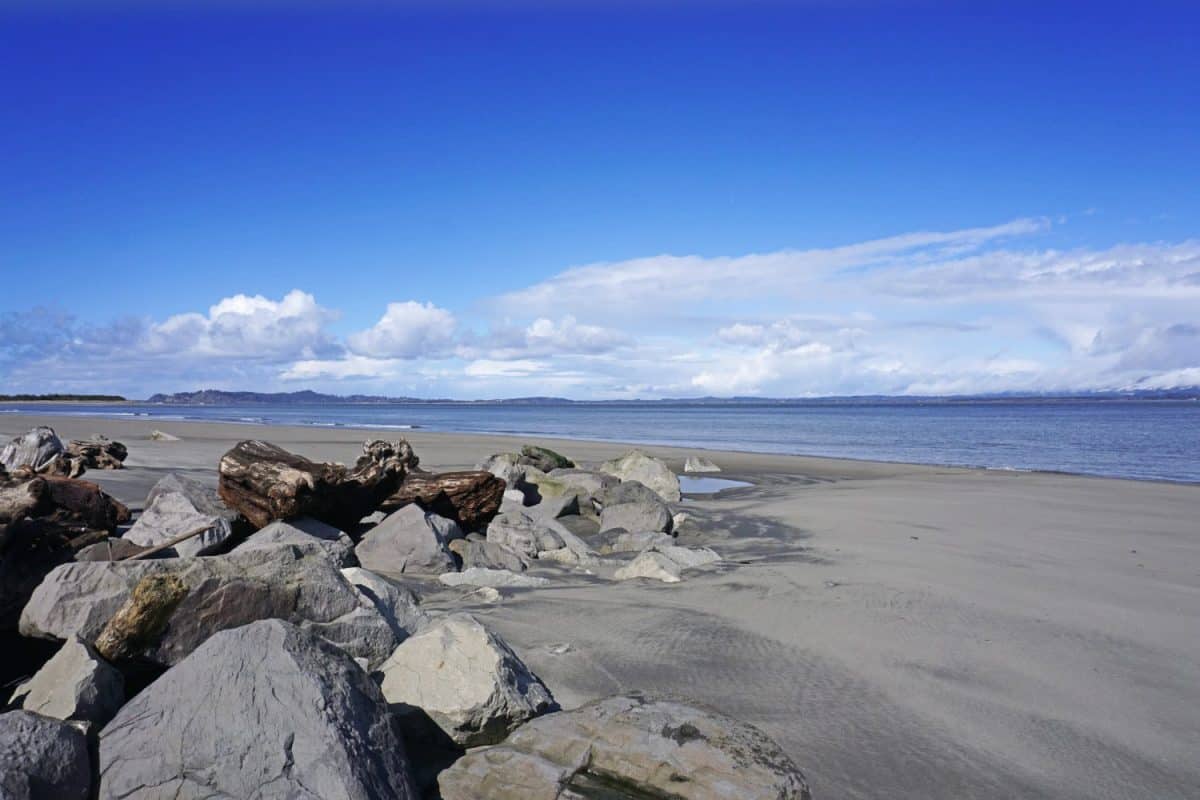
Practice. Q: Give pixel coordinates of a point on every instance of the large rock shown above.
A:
(629, 748)
(571, 504)
(304, 530)
(74, 684)
(544, 458)
(588, 482)
(523, 533)
(651, 565)
(638, 516)
(43, 759)
(469, 498)
(297, 583)
(627, 492)
(410, 540)
(652, 472)
(37, 449)
(699, 464)
(622, 541)
(467, 679)
(265, 482)
(398, 605)
(172, 514)
(666, 563)
(266, 710)
(505, 466)
(494, 578)
(488, 555)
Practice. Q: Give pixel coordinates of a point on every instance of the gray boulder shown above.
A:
(172, 514)
(409, 541)
(74, 684)
(467, 679)
(570, 504)
(623, 541)
(43, 759)
(266, 710)
(699, 464)
(304, 531)
(398, 605)
(507, 467)
(666, 563)
(297, 583)
(647, 470)
(627, 492)
(488, 555)
(629, 748)
(523, 533)
(587, 481)
(513, 500)
(640, 515)
(36, 448)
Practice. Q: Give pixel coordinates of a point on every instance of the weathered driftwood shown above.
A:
(143, 617)
(167, 545)
(98, 453)
(469, 498)
(43, 521)
(265, 483)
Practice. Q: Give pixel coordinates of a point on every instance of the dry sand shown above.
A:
(902, 631)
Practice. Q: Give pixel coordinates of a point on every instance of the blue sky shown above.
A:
(631, 199)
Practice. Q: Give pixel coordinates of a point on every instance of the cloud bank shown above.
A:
(952, 312)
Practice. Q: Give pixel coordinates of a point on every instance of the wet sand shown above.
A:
(902, 631)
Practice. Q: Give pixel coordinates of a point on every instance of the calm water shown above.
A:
(1132, 439)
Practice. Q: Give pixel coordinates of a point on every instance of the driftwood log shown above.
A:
(43, 521)
(469, 498)
(98, 453)
(265, 482)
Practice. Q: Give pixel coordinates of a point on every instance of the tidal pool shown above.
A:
(694, 484)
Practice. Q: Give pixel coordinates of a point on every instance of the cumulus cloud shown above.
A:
(407, 330)
(975, 310)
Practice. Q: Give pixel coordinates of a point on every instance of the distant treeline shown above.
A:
(26, 398)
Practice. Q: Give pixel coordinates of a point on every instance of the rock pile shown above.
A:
(270, 649)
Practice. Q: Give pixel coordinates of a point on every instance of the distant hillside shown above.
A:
(62, 398)
(216, 397)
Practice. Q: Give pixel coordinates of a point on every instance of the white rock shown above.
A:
(650, 564)
(467, 679)
(496, 578)
(163, 436)
(74, 684)
(699, 464)
(172, 514)
(688, 557)
(652, 472)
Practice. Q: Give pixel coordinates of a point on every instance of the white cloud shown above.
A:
(245, 326)
(407, 330)
(488, 368)
(349, 366)
(976, 310)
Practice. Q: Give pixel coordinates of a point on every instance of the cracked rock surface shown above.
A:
(628, 747)
(297, 583)
(265, 711)
(467, 679)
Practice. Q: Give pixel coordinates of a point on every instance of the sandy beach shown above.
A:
(902, 631)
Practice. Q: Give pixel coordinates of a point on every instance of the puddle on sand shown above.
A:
(691, 484)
